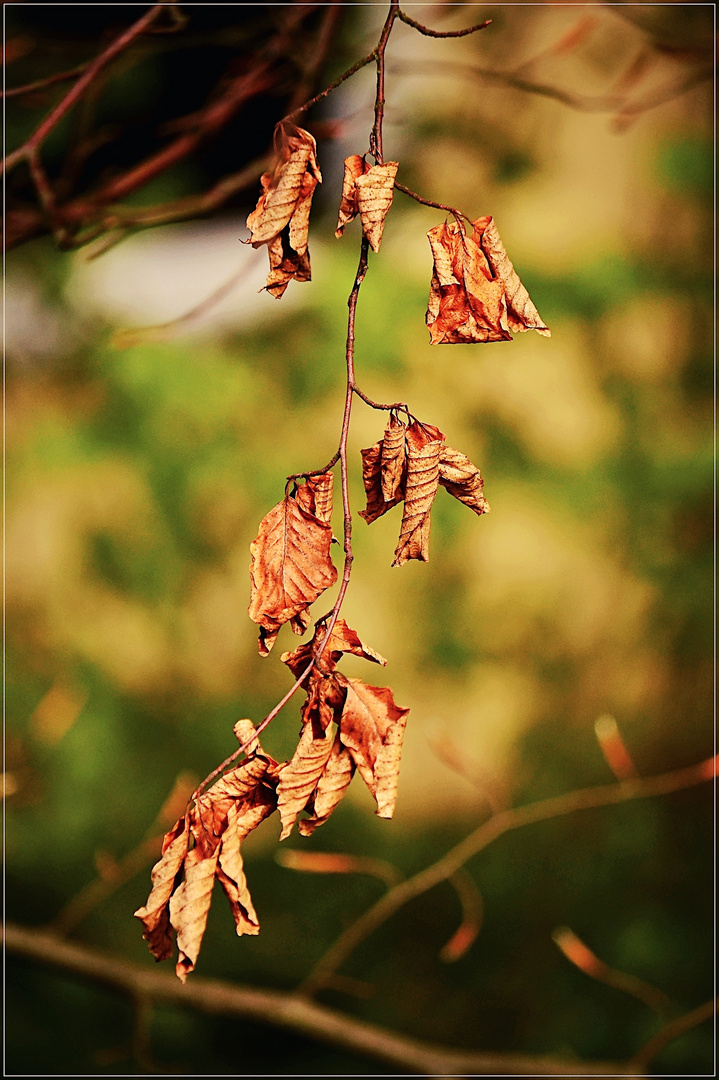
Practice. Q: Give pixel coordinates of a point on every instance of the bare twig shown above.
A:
(442, 33)
(428, 202)
(285, 1011)
(488, 831)
(90, 73)
(582, 957)
(671, 1031)
(40, 84)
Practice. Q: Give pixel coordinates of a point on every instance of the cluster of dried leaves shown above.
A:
(407, 466)
(347, 725)
(475, 294)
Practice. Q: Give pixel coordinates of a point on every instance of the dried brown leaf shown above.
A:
(299, 777)
(291, 566)
(315, 496)
(367, 190)
(343, 639)
(354, 166)
(281, 217)
(375, 190)
(190, 906)
(422, 482)
(475, 293)
(462, 479)
(393, 459)
(331, 786)
(155, 915)
(231, 875)
(216, 823)
(521, 313)
(372, 728)
(372, 479)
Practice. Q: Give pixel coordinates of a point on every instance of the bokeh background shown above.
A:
(140, 464)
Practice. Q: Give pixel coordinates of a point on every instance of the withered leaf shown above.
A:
(372, 479)
(343, 639)
(291, 566)
(367, 190)
(331, 786)
(421, 488)
(521, 313)
(372, 728)
(299, 777)
(281, 217)
(393, 459)
(475, 293)
(315, 496)
(216, 823)
(462, 479)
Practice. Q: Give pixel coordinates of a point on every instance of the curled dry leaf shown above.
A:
(372, 729)
(367, 190)
(475, 293)
(342, 639)
(281, 217)
(423, 452)
(407, 465)
(291, 564)
(462, 479)
(203, 846)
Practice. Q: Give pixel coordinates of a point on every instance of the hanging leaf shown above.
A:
(299, 777)
(475, 293)
(343, 639)
(204, 846)
(367, 190)
(281, 217)
(393, 459)
(291, 566)
(372, 479)
(421, 488)
(462, 479)
(331, 786)
(372, 728)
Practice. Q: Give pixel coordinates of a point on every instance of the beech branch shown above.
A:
(489, 831)
(285, 1011)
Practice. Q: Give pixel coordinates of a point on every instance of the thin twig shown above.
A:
(488, 831)
(442, 33)
(429, 202)
(91, 71)
(671, 1031)
(40, 84)
(287, 1012)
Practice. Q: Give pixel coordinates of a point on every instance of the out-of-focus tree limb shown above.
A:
(287, 1011)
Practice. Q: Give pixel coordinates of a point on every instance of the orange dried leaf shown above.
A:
(521, 313)
(462, 479)
(372, 728)
(331, 786)
(375, 190)
(367, 190)
(231, 875)
(291, 566)
(343, 639)
(299, 777)
(190, 906)
(372, 479)
(354, 167)
(155, 915)
(393, 459)
(475, 293)
(421, 488)
(281, 217)
(315, 496)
